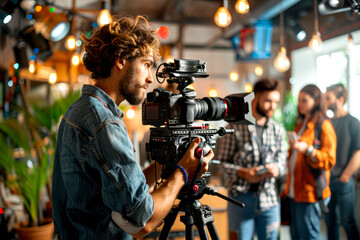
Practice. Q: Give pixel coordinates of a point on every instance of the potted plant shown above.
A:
(27, 145)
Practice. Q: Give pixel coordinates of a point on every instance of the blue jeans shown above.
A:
(341, 205)
(245, 221)
(305, 220)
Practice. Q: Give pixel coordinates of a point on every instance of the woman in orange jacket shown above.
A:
(308, 153)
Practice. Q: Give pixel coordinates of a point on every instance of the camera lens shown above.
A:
(210, 108)
(232, 108)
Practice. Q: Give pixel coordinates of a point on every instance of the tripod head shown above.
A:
(197, 190)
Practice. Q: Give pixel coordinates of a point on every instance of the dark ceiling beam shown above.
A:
(265, 10)
(117, 5)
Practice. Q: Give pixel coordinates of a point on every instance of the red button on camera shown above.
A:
(195, 188)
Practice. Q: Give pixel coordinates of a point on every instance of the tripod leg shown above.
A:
(204, 217)
(169, 221)
(202, 232)
(212, 230)
(188, 220)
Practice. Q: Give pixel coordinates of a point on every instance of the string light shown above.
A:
(52, 77)
(70, 42)
(234, 76)
(258, 70)
(213, 92)
(248, 87)
(222, 16)
(75, 60)
(316, 43)
(242, 6)
(32, 66)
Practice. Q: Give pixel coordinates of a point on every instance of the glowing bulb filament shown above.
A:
(222, 17)
(104, 17)
(316, 43)
(282, 62)
(71, 42)
(258, 70)
(32, 66)
(213, 92)
(242, 6)
(234, 76)
(52, 77)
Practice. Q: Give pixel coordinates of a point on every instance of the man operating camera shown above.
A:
(99, 190)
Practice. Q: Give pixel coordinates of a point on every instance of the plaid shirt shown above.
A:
(241, 150)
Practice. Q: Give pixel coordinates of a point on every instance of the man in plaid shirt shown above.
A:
(252, 158)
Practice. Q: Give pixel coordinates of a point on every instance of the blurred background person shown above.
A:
(342, 183)
(301, 186)
(253, 157)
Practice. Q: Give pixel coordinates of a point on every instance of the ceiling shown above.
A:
(191, 22)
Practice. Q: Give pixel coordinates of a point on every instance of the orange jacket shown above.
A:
(304, 181)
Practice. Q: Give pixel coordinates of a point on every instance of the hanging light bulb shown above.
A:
(350, 45)
(242, 6)
(104, 15)
(258, 70)
(316, 43)
(282, 62)
(32, 66)
(234, 76)
(53, 77)
(75, 59)
(222, 16)
(70, 42)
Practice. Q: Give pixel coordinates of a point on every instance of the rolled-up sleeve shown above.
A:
(124, 188)
(326, 155)
(142, 213)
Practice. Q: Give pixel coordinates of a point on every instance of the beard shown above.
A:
(262, 112)
(129, 89)
(333, 107)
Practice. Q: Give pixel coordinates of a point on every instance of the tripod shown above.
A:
(195, 213)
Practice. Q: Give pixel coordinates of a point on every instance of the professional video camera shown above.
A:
(173, 115)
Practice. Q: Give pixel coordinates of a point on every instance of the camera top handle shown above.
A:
(181, 71)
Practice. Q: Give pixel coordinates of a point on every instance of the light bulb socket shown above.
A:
(350, 37)
(105, 5)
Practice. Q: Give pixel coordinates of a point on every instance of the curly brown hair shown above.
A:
(126, 38)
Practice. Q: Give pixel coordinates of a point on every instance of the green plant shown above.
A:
(26, 174)
(28, 147)
(290, 111)
(286, 116)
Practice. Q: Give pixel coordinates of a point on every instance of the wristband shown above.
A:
(309, 151)
(185, 173)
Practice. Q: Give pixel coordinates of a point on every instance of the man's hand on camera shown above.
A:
(190, 162)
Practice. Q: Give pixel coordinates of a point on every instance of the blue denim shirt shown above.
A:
(97, 183)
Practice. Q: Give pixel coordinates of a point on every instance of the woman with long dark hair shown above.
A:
(310, 156)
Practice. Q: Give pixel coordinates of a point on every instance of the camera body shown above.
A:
(168, 145)
(173, 115)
